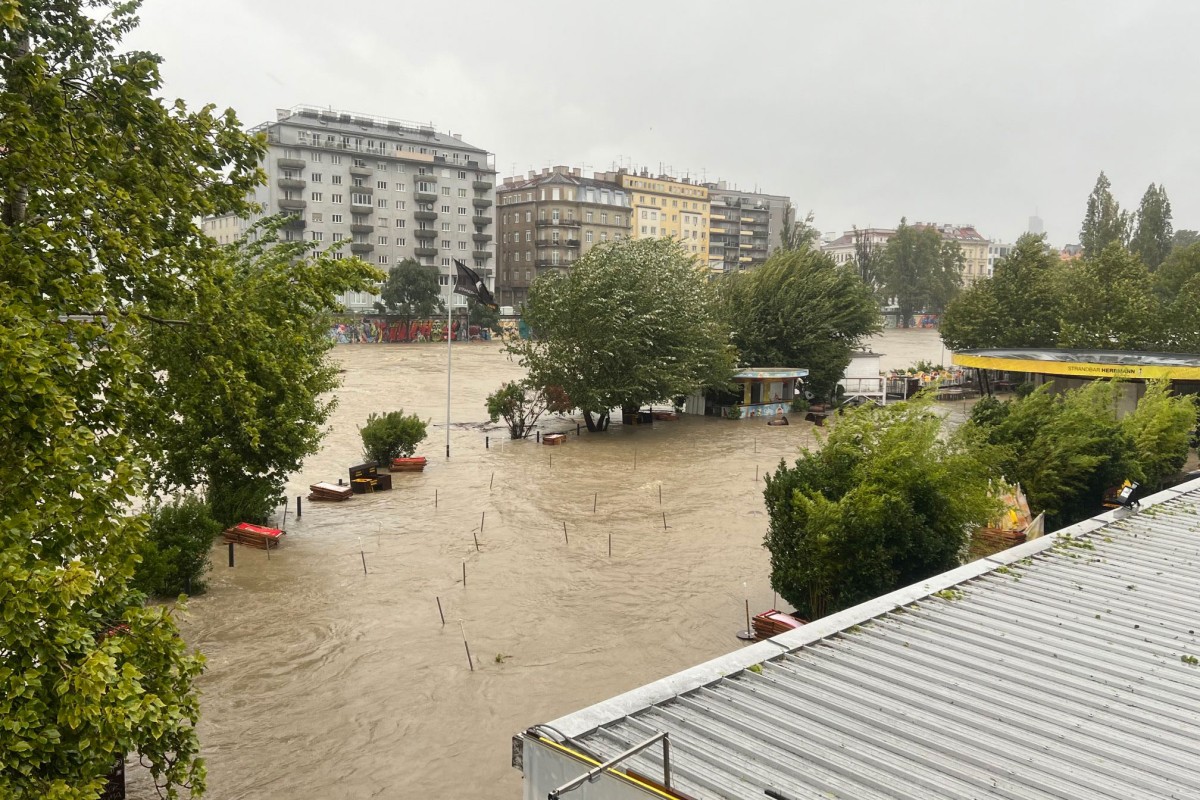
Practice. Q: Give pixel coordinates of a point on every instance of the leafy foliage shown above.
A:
(1104, 223)
(1180, 266)
(412, 291)
(799, 309)
(483, 315)
(174, 554)
(238, 390)
(520, 404)
(1019, 306)
(1106, 303)
(920, 270)
(1153, 239)
(886, 501)
(1066, 450)
(799, 234)
(391, 435)
(101, 185)
(634, 322)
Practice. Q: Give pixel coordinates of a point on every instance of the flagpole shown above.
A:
(449, 327)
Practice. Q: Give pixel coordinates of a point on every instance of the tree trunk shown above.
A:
(596, 424)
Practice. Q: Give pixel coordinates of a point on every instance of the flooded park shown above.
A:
(330, 672)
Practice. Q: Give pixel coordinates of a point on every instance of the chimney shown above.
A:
(457, 136)
(577, 172)
(282, 113)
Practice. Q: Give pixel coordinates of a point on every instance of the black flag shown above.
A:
(470, 284)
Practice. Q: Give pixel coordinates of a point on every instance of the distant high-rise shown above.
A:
(1035, 225)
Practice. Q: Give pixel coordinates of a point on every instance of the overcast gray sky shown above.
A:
(978, 112)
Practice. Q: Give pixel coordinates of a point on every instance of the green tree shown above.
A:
(1185, 238)
(885, 502)
(1104, 223)
(391, 435)
(798, 234)
(1180, 266)
(483, 316)
(1107, 303)
(1182, 334)
(919, 271)
(520, 404)
(174, 553)
(1160, 429)
(101, 185)
(634, 322)
(1153, 236)
(799, 309)
(868, 256)
(1063, 450)
(243, 388)
(412, 291)
(1019, 306)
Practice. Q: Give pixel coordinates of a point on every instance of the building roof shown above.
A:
(958, 233)
(1084, 363)
(355, 124)
(1058, 669)
(558, 175)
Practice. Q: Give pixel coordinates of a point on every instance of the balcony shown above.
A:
(291, 163)
(361, 172)
(425, 233)
(543, 263)
(361, 247)
(363, 189)
(482, 255)
(564, 223)
(572, 243)
(361, 227)
(292, 204)
(425, 252)
(482, 238)
(481, 221)
(359, 208)
(292, 183)
(425, 197)
(428, 177)
(481, 202)
(481, 186)
(425, 216)
(295, 223)
(717, 230)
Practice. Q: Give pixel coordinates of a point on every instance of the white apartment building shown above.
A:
(381, 189)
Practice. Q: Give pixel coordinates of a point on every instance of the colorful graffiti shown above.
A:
(382, 330)
(892, 320)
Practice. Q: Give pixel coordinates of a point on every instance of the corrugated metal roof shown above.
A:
(1053, 670)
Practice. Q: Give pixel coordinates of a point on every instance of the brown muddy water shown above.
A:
(323, 681)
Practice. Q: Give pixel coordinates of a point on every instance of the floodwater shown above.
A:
(323, 681)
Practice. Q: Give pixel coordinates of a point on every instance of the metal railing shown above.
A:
(592, 774)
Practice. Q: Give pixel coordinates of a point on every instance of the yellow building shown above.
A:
(664, 206)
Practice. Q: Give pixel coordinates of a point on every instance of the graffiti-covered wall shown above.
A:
(388, 330)
(892, 320)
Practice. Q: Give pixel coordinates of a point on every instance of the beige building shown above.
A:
(664, 206)
(548, 219)
(974, 246)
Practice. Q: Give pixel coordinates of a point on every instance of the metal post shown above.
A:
(231, 554)
(299, 510)
(449, 325)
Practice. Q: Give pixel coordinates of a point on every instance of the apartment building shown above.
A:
(997, 252)
(744, 227)
(665, 206)
(381, 189)
(548, 219)
(843, 249)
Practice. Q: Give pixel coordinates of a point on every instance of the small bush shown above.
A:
(799, 404)
(175, 550)
(391, 435)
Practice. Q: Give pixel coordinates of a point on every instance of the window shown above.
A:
(644, 230)
(445, 209)
(604, 219)
(446, 191)
(554, 237)
(528, 256)
(400, 187)
(380, 184)
(316, 217)
(554, 215)
(335, 159)
(357, 199)
(383, 259)
(446, 226)
(400, 241)
(381, 202)
(588, 237)
(529, 236)
(316, 197)
(462, 245)
(541, 213)
(604, 236)
(645, 214)
(400, 223)
(336, 198)
(336, 180)
(359, 182)
(462, 211)
(381, 240)
(556, 194)
(446, 278)
(317, 236)
(335, 218)
(618, 222)
(528, 216)
(382, 222)
(588, 217)
(337, 237)
(445, 244)
(315, 177)
(358, 162)
(462, 192)
(462, 228)
(315, 157)
(381, 165)
(462, 176)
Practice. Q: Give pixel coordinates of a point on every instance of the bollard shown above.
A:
(491, 481)
(482, 517)
(231, 554)
(610, 545)
(664, 520)
(435, 498)
(539, 436)
(299, 510)
(577, 426)
(595, 497)
(565, 539)
(476, 538)
(467, 646)
(440, 614)
(487, 442)
(660, 494)
(364, 560)
(464, 573)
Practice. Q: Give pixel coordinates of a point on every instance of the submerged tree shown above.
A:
(634, 322)
(799, 309)
(101, 185)
(885, 502)
(412, 291)
(919, 270)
